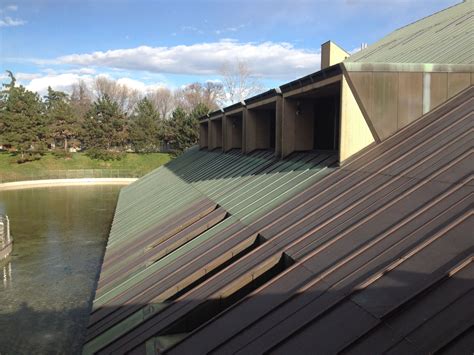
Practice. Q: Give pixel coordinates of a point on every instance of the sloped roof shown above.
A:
(446, 37)
(166, 223)
(227, 253)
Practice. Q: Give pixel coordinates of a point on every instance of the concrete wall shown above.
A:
(297, 125)
(233, 128)
(258, 118)
(204, 134)
(215, 133)
(332, 54)
(355, 134)
(391, 100)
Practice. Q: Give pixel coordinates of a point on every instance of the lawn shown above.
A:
(50, 166)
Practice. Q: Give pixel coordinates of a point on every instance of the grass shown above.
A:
(132, 165)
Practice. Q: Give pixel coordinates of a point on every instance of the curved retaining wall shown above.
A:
(64, 182)
(6, 241)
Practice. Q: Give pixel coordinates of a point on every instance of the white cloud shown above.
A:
(61, 82)
(267, 59)
(7, 21)
(11, 8)
(26, 76)
(139, 85)
(39, 83)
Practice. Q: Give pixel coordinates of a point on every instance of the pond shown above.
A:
(48, 282)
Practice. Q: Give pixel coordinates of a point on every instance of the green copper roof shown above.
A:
(445, 37)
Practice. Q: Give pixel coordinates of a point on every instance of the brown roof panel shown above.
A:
(406, 234)
(343, 264)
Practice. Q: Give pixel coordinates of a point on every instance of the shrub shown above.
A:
(102, 154)
(62, 154)
(29, 156)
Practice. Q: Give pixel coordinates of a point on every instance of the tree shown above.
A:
(22, 119)
(239, 82)
(163, 101)
(81, 100)
(183, 127)
(62, 123)
(104, 125)
(144, 134)
(195, 94)
(125, 97)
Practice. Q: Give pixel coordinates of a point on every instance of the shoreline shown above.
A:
(29, 184)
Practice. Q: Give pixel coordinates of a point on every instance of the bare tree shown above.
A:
(121, 94)
(195, 94)
(81, 98)
(163, 101)
(239, 82)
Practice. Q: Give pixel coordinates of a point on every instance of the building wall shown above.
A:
(391, 100)
(233, 131)
(297, 129)
(278, 126)
(355, 134)
(257, 124)
(203, 134)
(215, 134)
(332, 54)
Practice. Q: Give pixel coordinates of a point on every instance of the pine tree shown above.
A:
(143, 134)
(184, 127)
(104, 126)
(62, 123)
(22, 120)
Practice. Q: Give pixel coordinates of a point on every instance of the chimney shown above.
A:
(332, 54)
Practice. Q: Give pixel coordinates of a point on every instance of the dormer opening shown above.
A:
(203, 134)
(215, 133)
(311, 118)
(234, 125)
(262, 127)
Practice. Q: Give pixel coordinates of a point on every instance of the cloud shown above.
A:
(230, 29)
(267, 59)
(61, 82)
(7, 21)
(64, 81)
(139, 85)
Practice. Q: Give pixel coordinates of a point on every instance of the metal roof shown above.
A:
(446, 37)
(226, 253)
(179, 212)
(234, 106)
(315, 77)
(264, 95)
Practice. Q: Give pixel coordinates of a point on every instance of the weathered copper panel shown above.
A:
(457, 82)
(364, 89)
(438, 89)
(385, 104)
(410, 98)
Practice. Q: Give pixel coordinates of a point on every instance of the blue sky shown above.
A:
(147, 43)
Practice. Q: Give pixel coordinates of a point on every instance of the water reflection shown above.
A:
(6, 273)
(59, 238)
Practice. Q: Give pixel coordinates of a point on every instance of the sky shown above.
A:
(149, 44)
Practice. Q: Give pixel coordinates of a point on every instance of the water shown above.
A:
(47, 284)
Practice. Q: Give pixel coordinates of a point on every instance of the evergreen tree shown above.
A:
(185, 127)
(143, 134)
(62, 123)
(104, 126)
(22, 120)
